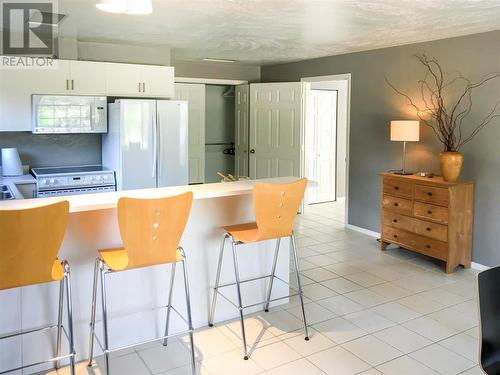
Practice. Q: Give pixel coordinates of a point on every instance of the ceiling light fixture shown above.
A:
(126, 6)
(215, 59)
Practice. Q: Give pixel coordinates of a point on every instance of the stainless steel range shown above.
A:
(86, 179)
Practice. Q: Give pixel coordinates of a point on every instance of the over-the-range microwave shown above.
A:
(64, 114)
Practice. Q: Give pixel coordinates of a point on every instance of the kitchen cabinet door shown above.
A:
(88, 78)
(18, 85)
(123, 79)
(157, 81)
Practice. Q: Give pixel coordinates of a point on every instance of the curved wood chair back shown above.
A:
(489, 316)
(151, 229)
(276, 207)
(29, 242)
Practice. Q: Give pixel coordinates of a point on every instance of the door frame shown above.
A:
(306, 85)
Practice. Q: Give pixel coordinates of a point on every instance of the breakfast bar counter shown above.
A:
(135, 295)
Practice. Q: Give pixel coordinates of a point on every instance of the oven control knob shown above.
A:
(52, 181)
(97, 178)
(43, 181)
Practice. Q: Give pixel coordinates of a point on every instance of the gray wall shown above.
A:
(374, 104)
(42, 150)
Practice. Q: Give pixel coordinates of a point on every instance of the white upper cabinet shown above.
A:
(87, 78)
(72, 77)
(157, 81)
(150, 81)
(123, 79)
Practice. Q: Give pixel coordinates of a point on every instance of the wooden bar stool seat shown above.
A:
(275, 207)
(151, 230)
(29, 242)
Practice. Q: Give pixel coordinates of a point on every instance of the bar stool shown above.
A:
(29, 242)
(150, 230)
(275, 207)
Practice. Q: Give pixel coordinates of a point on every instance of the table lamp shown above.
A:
(405, 131)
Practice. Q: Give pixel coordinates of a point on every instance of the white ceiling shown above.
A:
(269, 31)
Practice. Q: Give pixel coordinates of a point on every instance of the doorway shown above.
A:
(325, 132)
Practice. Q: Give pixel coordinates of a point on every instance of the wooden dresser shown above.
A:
(429, 216)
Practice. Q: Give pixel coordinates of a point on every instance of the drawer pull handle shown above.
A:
(394, 221)
(428, 246)
(396, 188)
(429, 194)
(396, 204)
(428, 229)
(395, 236)
(429, 212)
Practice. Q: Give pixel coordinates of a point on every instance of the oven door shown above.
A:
(53, 114)
(76, 191)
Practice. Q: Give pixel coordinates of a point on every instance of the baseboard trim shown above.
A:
(474, 265)
(363, 230)
(479, 267)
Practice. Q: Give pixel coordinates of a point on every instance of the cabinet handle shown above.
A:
(394, 221)
(428, 229)
(139, 87)
(429, 194)
(67, 84)
(72, 84)
(428, 246)
(396, 204)
(395, 236)
(429, 212)
(396, 187)
(144, 87)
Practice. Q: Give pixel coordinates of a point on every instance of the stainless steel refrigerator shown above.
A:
(147, 143)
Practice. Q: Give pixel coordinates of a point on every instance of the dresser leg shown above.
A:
(450, 267)
(383, 245)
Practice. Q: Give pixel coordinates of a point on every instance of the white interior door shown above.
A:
(241, 133)
(274, 129)
(194, 94)
(321, 131)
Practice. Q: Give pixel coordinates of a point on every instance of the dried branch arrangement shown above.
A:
(445, 119)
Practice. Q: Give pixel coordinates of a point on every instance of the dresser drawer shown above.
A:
(400, 205)
(426, 246)
(398, 188)
(430, 194)
(432, 230)
(417, 226)
(431, 212)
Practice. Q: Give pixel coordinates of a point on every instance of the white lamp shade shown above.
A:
(405, 130)
(11, 163)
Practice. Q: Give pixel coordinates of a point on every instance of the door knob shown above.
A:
(252, 151)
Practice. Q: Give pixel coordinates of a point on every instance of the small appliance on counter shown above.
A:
(59, 181)
(11, 163)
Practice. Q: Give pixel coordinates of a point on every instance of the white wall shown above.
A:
(342, 88)
(214, 70)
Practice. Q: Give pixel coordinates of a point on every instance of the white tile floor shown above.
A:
(369, 313)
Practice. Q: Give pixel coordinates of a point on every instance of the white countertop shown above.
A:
(11, 182)
(101, 201)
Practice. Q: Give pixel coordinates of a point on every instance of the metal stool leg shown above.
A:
(273, 271)
(170, 294)
(240, 305)
(299, 285)
(67, 278)
(104, 318)
(59, 323)
(217, 280)
(188, 310)
(92, 313)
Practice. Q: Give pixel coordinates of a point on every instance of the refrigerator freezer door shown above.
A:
(172, 119)
(138, 139)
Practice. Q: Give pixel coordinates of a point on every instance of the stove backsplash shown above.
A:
(40, 150)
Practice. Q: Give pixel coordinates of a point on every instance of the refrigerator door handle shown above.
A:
(160, 152)
(153, 126)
